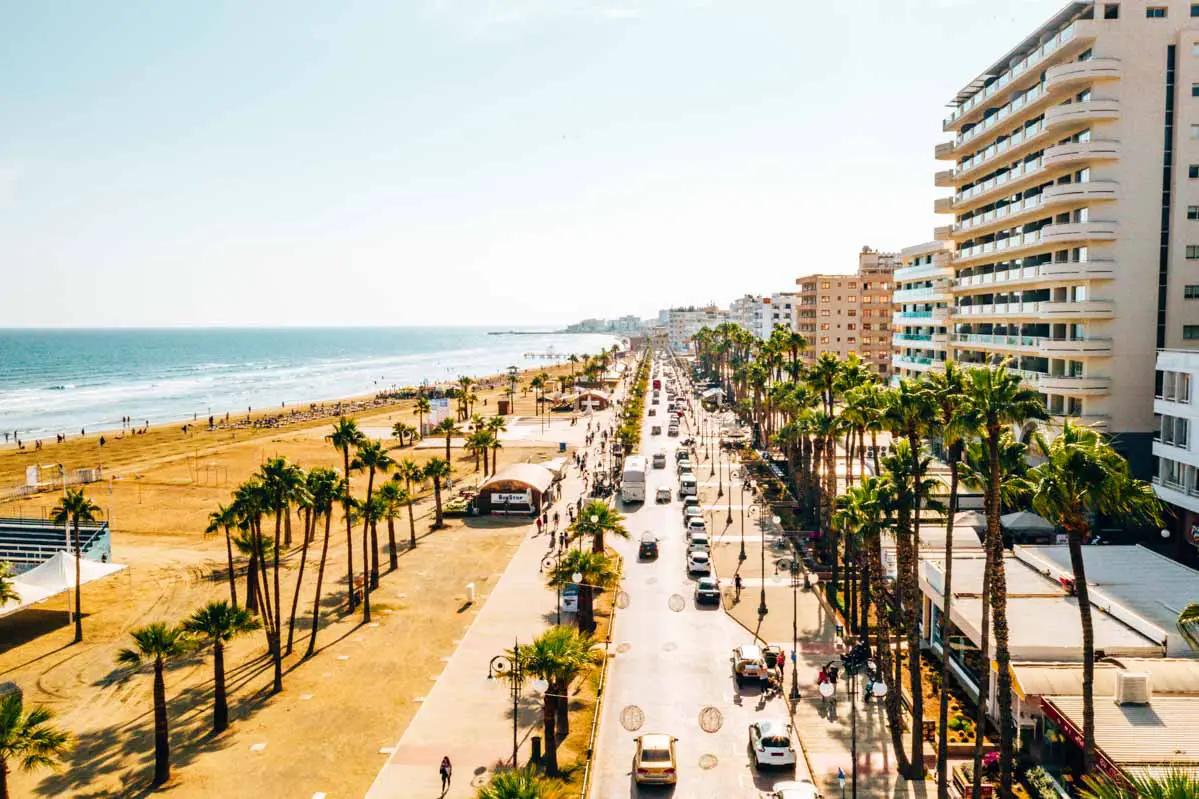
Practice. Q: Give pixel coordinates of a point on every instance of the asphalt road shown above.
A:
(672, 664)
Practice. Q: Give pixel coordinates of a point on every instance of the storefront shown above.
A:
(517, 489)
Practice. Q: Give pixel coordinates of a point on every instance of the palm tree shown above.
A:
(448, 428)
(28, 739)
(246, 544)
(159, 643)
(1188, 625)
(224, 518)
(474, 444)
(597, 571)
(1081, 477)
(608, 520)
(1174, 784)
(344, 437)
(521, 783)
(420, 410)
(574, 360)
(326, 490)
(558, 656)
(402, 430)
(537, 384)
(7, 592)
(464, 384)
(495, 426)
(1000, 400)
(218, 623)
(410, 473)
(249, 505)
(392, 496)
(283, 482)
(374, 458)
(74, 508)
(437, 470)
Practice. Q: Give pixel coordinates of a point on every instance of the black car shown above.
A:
(707, 589)
(649, 547)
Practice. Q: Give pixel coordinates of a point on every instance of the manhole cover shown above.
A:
(710, 719)
(669, 646)
(622, 599)
(707, 762)
(677, 602)
(631, 718)
(623, 647)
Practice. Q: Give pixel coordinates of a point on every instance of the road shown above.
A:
(672, 664)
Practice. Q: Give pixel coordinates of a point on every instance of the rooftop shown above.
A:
(1179, 676)
(1142, 739)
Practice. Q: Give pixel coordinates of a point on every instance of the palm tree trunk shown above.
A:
(3, 779)
(220, 704)
(287, 530)
(447, 452)
(295, 600)
(437, 519)
(549, 720)
(349, 530)
(307, 524)
(1074, 536)
(984, 687)
(162, 741)
(232, 576)
(374, 554)
(366, 560)
(320, 576)
(252, 583)
(563, 704)
(393, 561)
(913, 628)
(78, 585)
(947, 591)
(411, 526)
(1003, 657)
(278, 619)
(586, 609)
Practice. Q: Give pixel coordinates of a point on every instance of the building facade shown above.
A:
(1075, 210)
(923, 291)
(1176, 479)
(747, 312)
(683, 323)
(841, 314)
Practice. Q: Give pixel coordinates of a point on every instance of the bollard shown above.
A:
(536, 749)
(470, 593)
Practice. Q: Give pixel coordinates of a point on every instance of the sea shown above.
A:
(68, 380)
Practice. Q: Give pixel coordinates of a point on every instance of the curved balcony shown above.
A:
(944, 179)
(1083, 113)
(1015, 145)
(1001, 185)
(1087, 191)
(926, 294)
(944, 151)
(916, 363)
(1070, 271)
(1076, 74)
(943, 205)
(1037, 311)
(924, 272)
(1078, 152)
(1079, 231)
(990, 250)
(1036, 345)
(1065, 384)
(1030, 207)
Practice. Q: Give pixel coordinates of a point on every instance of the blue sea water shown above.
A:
(54, 381)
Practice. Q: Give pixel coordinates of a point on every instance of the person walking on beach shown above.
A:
(446, 771)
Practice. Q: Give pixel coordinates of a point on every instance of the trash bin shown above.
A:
(562, 446)
(536, 748)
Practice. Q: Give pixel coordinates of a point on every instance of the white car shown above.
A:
(696, 526)
(698, 562)
(794, 789)
(698, 540)
(770, 743)
(692, 512)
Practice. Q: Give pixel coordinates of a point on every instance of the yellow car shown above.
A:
(654, 761)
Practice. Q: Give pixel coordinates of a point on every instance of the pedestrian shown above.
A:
(538, 525)
(562, 540)
(737, 585)
(782, 661)
(832, 678)
(446, 771)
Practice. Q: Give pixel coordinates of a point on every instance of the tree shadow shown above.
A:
(20, 628)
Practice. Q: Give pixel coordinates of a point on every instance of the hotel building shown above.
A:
(849, 313)
(923, 292)
(1074, 239)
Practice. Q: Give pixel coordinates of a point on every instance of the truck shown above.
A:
(632, 479)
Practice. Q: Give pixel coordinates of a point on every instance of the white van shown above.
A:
(688, 487)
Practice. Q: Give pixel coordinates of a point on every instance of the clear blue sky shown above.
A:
(463, 161)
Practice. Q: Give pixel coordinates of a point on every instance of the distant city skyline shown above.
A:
(474, 162)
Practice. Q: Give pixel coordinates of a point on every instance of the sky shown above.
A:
(415, 162)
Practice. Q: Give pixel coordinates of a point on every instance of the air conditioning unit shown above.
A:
(1132, 688)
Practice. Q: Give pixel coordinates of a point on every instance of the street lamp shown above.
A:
(553, 560)
(509, 664)
(762, 609)
(750, 484)
(720, 475)
(854, 661)
(753, 514)
(794, 568)
(729, 519)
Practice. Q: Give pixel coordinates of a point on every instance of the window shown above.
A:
(1173, 431)
(824, 339)
(1155, 12)
(824, 284)
(1195, 90)
(1192, 252)
(1190, 332)
(851, 326)
(1195, 9)
(1193, 212)
(852, 298)
(825, 312)
(852, 340)
(1193, 171)
(1195, 131)
(824, 326)
(1111, 10)
(824, 299)
(1190, 292)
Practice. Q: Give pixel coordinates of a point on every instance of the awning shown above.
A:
(530, 475)
(1025, 521)
(970, 518)
(54, 577)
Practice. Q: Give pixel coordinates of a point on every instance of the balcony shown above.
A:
(1083, 113)
(1099, 421)
(1076, 74)
(1064, 384)
(925, 294)
(1040, 311)
(1087, 191)
(944, 178)
(916, 363)
(924, 272)
(1029, 103)
(1009, 149)
(1044, 273)
(1077, 152)
(943, 205)
(1023, 210)
(991, 249)
(935, 316)
(944, 151)
(942, 232)
(1000, 185)
(934, 341)
(1079, 231)
(1036, 345)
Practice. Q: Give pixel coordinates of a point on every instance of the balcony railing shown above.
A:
(922, 295)
(1081, 309)
(993, 151)
(1061, 76)
(923, 272)
(1093, 345)
(1064, 383)
(1033, 95)
(1025, 170)
(1082, 112)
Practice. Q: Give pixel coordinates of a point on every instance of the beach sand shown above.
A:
(323, 733)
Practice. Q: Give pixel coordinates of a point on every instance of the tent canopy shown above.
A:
(1025, 521)
(54, 577)
(530, 475)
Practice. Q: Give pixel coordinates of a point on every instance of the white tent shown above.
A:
(54, 577)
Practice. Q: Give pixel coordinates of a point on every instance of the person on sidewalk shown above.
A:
(737, 586)
(446, 771)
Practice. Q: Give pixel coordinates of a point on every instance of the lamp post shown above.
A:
(720, 476)
(854, 661)
(729, 518)
(552, 561)
(762, 609)
(753, 514)
(509, 664)
(744, 483)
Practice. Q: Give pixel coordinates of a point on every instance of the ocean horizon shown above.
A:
(62, 380)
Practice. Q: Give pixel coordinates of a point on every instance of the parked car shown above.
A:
(654, 759)
(748, 663)
(690, 502)
(653, 411)
(688, 487)
(648, 550)
(673, 430)
(681, 453)
(660, 459)
(794, 789)
(683, 465)
(770, 743)
(662, 494)
(696, 527)
(656, 430)
(698, 562)
(707, 589)
(692, 512)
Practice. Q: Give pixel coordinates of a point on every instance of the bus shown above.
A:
(632, 479)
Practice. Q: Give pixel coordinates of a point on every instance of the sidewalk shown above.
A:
(825, 732)
(467, 716)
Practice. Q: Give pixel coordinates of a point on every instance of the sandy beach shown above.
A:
(158, 492)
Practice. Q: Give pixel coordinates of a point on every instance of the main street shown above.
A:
(671, 669)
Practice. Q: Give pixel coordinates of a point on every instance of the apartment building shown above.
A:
(747, 312)
(923, 292)
(683, 323)
(1175, 447)
(1075, 230)
(849, 313)
(778, 309)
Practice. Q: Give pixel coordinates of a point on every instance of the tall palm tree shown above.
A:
(464, 385)
(28, 739)
(1081, 477)
(159, 643)
(437, 470)
(402, 430)
(608, 521)
(410, 473)
(347, 436)
(420, 410)
(284, 483)
(521, 783)
(249, 506)
(327, 490)
(1188, 625)
(559, 656)
(1000, 400)
(247, 544)
(7, 592)
(448, 428)
(1174, 784)
(374, 458)
(474, 444)
(72, 508)
(597, 572)
(217, 623)
(392, 496)
(225, 518)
